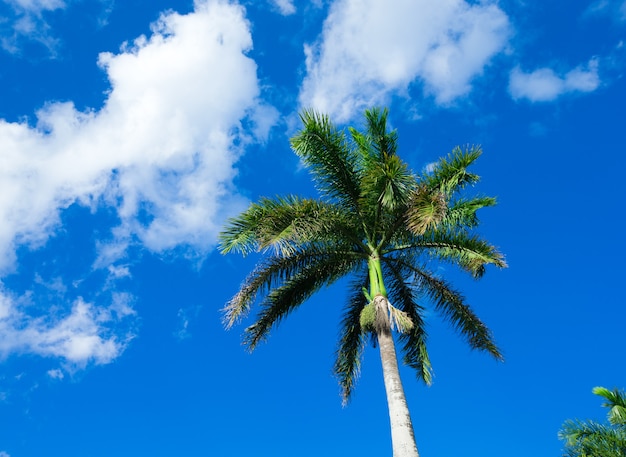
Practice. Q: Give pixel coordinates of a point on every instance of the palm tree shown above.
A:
(384, 226)
(592, 439)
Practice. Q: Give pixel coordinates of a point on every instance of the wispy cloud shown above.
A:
(87, 334)
(28, 21)
(185, 318)
(160, 155)
(370, 50)
(25, 20)
(544, 84)
(284, 7)
(615, 9)
(56, 374)
(36, 6)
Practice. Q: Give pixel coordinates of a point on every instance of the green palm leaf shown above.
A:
(468, 251)
(462, 212)
(426, 210)
(324, 150)
(616, 402)
(285, 224)
(297, 287)
(591, 439)
(451, 304)
(414, 341)
(450, 175)
(272, 273)
(351, 341)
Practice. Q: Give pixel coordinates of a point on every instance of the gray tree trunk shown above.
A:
(402, 436)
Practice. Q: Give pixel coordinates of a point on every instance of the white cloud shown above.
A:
(185, 318)
(160, 155)
(25, 21)
(285, 7)
(87, 334)
(4, 454)
(161, 151)
(545, 85)
(55, 374)
(35, 6)
(370, 50)
(118, 271)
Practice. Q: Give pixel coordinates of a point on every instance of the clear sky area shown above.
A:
(130, 131)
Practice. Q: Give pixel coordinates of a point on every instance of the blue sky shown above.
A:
(129, 132)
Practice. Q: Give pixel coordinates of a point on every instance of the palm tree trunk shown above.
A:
(402, 436)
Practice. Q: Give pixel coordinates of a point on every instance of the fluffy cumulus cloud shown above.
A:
(162, 149)
(160, 154)
(544, 84)
(369, 50)
(87, 334)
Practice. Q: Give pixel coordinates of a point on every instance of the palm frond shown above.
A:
(426, 209)
(414, 341)
(351, 342)
(386, 180)
(451, 305)
(468, 251)
(269, 273)
(384, 142)
(325, 151)
(450, 174)
(284, 223)
(297, 287)
(376, 140)
(240, 233)
(387, 184)
(462, 212)
(591, 439)
(616, 402)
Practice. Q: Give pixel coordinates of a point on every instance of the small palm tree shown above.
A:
(591, 439)
(384, 226)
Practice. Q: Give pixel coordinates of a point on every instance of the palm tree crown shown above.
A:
(592, 439)
(384, 226)
(376, 221)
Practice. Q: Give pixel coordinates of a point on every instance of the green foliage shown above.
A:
(377, 221)
(367, 319)
(450, 174)
(616, 402)
(352, 338)
(592, 439)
